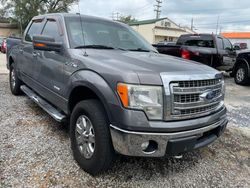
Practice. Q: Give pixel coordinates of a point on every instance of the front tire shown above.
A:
(241, 75)
(15, 82)
(90, 137)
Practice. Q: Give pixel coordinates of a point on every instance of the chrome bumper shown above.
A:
(130, 143)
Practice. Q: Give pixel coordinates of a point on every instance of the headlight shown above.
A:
(141, 97)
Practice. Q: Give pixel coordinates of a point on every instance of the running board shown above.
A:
(58, 116)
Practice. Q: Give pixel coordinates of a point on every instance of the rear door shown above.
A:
(26, 52)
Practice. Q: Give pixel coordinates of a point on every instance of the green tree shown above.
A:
(24, 10)
(127, 19)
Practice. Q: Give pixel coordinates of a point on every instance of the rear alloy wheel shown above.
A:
(241, 75)
(15, 82)
(90, 137)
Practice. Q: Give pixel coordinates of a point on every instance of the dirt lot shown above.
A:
(35, 152)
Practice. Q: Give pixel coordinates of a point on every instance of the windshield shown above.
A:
(98, 33)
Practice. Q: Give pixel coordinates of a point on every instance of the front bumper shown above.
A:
(160, 144)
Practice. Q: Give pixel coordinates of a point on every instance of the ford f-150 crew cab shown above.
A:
(118, 93)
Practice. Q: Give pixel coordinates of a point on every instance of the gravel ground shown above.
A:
(3, 68)
(35, 152)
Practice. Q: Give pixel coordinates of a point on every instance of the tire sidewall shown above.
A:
(16, 89)
(86, 164)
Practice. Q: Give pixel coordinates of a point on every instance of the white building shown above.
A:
(156, 30)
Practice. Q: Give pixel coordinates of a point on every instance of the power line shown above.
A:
(157, 8)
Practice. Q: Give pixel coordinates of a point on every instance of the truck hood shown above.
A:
(147, 65)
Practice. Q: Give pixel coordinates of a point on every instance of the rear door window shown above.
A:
(34, 29)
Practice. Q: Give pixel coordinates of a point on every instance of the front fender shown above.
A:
(98, 85)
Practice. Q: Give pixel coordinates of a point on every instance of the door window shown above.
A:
(227, 44)
(51, 29)
(33, 30)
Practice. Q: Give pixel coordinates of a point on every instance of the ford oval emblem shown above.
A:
(208, 96)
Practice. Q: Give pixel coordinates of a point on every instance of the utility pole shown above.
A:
(220, 30)
(115, 16)
(217, 25)
(157, 8)
(192, 24)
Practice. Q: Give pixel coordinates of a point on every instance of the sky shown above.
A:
(232, 15)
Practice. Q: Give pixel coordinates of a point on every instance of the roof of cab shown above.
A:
(72, 15)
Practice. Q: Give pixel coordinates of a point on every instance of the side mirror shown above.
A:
(236, 48)
(46, 43)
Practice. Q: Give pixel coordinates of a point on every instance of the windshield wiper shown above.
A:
(97, 46)
(141, 50)
(94, 46)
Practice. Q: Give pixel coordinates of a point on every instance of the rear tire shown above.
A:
(90, 137)
(15, 82)
(241, 75)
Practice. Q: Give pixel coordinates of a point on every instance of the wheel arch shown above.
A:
(89, 85)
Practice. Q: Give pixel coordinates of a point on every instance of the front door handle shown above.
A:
(21, 51)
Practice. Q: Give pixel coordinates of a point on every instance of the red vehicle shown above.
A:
(4, 46)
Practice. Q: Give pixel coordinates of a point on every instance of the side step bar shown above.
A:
(58, 116)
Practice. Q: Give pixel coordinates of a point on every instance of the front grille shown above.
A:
(193, 98)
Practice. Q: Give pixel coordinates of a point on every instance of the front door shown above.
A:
(50, 68)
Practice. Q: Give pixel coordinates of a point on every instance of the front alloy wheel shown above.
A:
(85, 136)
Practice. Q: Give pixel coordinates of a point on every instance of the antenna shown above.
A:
(81, 21)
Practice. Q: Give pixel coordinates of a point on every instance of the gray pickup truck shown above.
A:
(116, 91)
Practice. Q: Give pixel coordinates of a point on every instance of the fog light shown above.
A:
(144, 145)
(149, 147)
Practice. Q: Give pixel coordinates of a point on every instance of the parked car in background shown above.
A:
(212, 50)
(1, 40)
(118, 93)
(4, 46)
(241, 70)
(240, 46)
